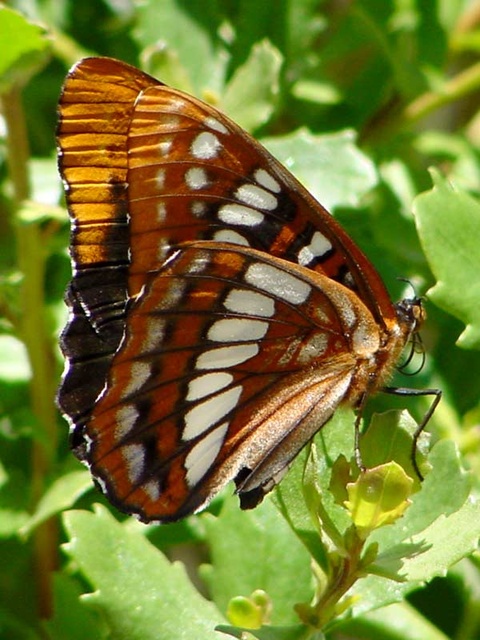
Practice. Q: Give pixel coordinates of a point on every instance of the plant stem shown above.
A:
(347, 571)
(31, 258)
(397, 118)
(17, 144)
(459, 86)
(346, 575)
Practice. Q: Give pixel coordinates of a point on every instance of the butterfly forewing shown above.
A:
(194, 174)
(219, 315)
(95, 112)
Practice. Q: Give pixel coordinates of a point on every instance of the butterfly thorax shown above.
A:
(375, 369)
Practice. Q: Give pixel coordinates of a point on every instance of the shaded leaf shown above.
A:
(251, 94)
(252, 550)
(139, 592)
(330, 166)
(448, 222)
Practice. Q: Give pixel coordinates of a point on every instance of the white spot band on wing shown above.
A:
(205, 146)
(238, 214)
(134, 456)
(226, 357)
(196, 178)
(227, 235)
(237, 330)
(256, 197)
(277, 282)
(250, 303)
(203, 454)
(125, 419)
(205, 414)
(318, 247)
(207, 383)
(140, 372)
(266, 180)
(216, 125)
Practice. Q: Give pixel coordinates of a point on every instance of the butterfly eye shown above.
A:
(218, 314)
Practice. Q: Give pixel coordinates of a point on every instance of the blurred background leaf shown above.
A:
(358, 99)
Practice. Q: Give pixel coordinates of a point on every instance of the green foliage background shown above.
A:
(359, 100)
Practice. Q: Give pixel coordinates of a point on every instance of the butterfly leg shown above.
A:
(405, 391)
(360, 407)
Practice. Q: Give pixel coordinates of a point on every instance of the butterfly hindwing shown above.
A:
(218, 374)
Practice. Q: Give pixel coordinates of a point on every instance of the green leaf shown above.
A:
(14, 364)
(448, 222)
(62, 494)
(330, 166)
(274, 555)
(444, 491)
(441, 526)
(454, 149)
(444, 542)
(141, 595)
(45, 182)
(308, 470)
(444, 494)
(394, 622)
(71, 619)
(11, 521)
(251, 94)
(192, 34)
(378, 497)
(297, 632)
(24, 48)
(390, 437)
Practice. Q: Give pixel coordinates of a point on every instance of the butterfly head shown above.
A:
(411, 313)
(411, 316)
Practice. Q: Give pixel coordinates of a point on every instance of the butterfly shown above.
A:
(219, 315)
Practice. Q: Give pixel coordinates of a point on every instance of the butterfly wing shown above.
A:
(95, 112)
(195, 175)
(146, 167)
(231, 362)
(171, 393)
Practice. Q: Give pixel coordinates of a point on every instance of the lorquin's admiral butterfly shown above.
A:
(218, 314)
